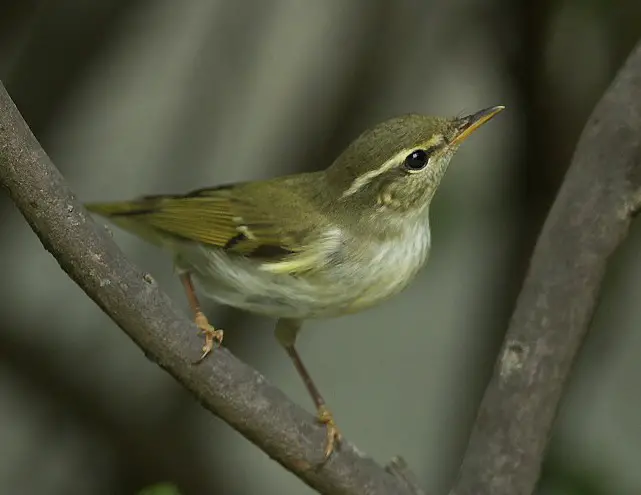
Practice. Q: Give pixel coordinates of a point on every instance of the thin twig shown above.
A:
(230, 389)
(588, 221)
(399, 468)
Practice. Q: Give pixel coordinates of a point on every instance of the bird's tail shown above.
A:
(132, 216)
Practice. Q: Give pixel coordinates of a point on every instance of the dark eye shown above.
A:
(416, 160)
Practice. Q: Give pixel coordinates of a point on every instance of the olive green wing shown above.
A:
(220, 217)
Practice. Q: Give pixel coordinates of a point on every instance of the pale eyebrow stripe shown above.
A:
(362, 180)
(367, 177)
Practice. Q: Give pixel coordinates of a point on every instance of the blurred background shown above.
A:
(134, 97)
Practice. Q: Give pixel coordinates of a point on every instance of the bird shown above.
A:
(309, 245)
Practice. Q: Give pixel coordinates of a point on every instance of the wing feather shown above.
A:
(219, 218)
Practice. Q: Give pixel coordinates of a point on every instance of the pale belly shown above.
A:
(341, 287)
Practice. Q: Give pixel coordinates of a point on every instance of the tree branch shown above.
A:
(588, 221)
(230, 389)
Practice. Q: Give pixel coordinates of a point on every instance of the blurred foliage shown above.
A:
(559, 478)
(160, 489)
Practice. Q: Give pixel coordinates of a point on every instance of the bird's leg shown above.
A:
(211, 334)
(286, 331)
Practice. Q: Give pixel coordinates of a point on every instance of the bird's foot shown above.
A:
(212, 335)
(334, 436)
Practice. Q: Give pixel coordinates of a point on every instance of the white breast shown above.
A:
(369, 274)
(392, 266)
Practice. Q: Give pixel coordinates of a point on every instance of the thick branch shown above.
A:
(230, 389)
(588, 221)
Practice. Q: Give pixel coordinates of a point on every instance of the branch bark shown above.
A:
(230, 389)
(588, 221)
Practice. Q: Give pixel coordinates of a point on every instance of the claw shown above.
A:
(334, 436)
(212, 336)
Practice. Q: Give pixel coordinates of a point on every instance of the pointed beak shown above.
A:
(467, 125)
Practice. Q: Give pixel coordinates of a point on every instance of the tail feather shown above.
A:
(132, 216)
(123, 208)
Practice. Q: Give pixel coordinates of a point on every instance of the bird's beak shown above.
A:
(467, 125)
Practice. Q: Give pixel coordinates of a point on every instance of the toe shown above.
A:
(333, 433)
(333, 437)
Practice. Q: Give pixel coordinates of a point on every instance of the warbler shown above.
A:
(308, 245)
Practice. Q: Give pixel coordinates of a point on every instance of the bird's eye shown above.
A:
(416, 160)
